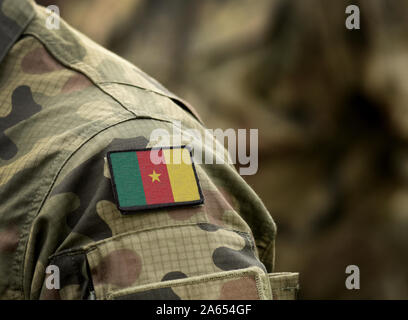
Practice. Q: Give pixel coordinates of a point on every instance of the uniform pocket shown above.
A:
(180, 253)
(244, 284)
(194, 261)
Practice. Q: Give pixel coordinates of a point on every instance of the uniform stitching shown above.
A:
(195, 280)
(91, 247)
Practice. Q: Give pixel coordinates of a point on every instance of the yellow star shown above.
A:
(155, 176)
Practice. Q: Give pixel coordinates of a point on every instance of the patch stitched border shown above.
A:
(131, 209)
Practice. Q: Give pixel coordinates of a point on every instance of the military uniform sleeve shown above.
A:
(195, 252)
(65, 103)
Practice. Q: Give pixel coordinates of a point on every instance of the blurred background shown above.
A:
(331, 106)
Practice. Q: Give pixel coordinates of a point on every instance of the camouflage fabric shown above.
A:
(64, 103)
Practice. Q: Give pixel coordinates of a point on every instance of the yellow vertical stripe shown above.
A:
(181, 174)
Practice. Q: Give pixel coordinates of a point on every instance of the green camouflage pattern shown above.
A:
(64, 103)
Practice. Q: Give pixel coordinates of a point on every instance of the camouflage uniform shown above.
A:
(64, 103)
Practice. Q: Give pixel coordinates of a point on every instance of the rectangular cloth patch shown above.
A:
(154, 178)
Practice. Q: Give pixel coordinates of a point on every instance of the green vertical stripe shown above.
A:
(129, 185)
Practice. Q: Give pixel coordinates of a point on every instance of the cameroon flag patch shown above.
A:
(154, 178)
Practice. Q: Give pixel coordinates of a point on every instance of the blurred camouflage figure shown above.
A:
(64, 103)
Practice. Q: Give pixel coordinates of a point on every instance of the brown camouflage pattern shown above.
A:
(64, 103)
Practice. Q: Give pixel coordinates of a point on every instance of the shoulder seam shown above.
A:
(92, 73)
(70, 67)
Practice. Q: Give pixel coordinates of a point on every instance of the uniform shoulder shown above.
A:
(105, 69)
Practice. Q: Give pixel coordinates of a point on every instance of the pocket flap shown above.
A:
(243, 284)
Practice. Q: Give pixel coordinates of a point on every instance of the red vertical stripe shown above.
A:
(155, 191)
